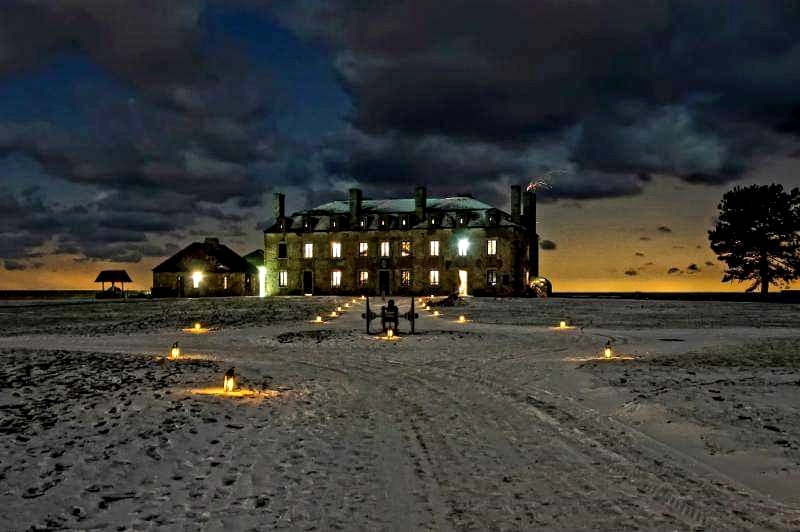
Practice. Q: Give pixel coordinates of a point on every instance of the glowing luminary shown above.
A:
(363, 298)
(427, 307)
(197, 326)
(562, 324)
(354, 300)
(229, 381)
(339, 309)
(333, 314)
(607, 353)
(175, 352)
(436, 313)
(462, 319)
(318, 319)
(347, 305)
(389, 334)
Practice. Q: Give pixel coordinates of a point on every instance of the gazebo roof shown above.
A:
(113, 276)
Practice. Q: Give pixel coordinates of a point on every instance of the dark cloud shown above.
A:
(664, 229)
(645, 238)
(693, 268)
(709, 263)
(12, 265)
(639, 254)
(631, 272)
(547, 245)
(674, 270)
(631, 87)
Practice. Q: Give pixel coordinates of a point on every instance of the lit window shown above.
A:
(491, 277)
(336, 278)
(334, 224)
(363, 249)
(363, 222)
(363, 277)
(463, 247)
(308, 250)
(336, 250)
(404, 222)
(224, 282)
(282, 250)
(283, 279)
(405, 278)
(491, 247)
(405, 248)
(385, 247)
(196, 278)
(433, 220)
(434, 248)
(433, 277)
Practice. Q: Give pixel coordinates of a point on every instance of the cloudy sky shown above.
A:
(130, 128)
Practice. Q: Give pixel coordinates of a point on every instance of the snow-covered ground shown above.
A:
(499, 423)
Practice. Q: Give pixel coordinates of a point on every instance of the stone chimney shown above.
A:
(212, 240)
(278, 205)
(516, 193)
(529, 221)
(355, 206)
(420, 203)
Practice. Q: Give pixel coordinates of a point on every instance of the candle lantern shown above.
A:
(607, 352)
(389, 334)
(175, 352)
(333, 314)
(562, 324)
(318, 319)
(197, 326)
(462, 319)
(229, 381)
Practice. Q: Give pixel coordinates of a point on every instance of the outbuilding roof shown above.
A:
(209, 256)
(113, 276)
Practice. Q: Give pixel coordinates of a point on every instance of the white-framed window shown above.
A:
(336, 250)
(491, 246)
(434, 248)
(196, 278)
(405, 278)
(433, 277)
(385, 249)
(405, 248)
(308, 250)
(363, 249)
(336, 278)
(491, 277)
(463, 247)
(283, 279)
(363, 278)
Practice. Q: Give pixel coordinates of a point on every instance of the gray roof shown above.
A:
(447, 211)
(399, 206)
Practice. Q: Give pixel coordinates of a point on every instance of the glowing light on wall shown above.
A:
(463, 247)
(196, 278)
(262, 281)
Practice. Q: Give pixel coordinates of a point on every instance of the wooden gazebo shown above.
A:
(113, 277)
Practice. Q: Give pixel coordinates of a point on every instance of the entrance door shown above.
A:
(462, 282)
(383, 282)
(308, 283)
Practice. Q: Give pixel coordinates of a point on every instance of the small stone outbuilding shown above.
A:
(205, 269)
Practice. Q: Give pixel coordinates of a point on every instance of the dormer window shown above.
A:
(282, 225)
(334, 223)
(433, 221)
(383, 223)
(306, 223)
(462, 220)
(363, 222)
(492, 218)
(404, 222)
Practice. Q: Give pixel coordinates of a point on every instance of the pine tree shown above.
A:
(757, 235)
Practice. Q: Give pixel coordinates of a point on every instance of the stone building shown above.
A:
(416, 245)
(204, 269)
